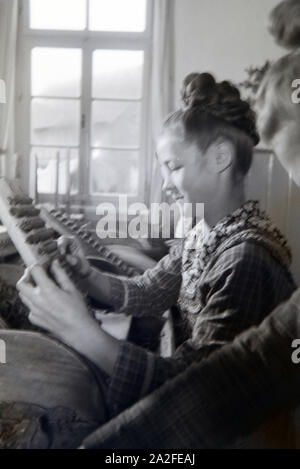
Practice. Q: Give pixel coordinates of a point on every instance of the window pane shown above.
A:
(55, 122)
(115, 124)
(46, 159)
(58, 14)
(45, 79)
(117, 74)
(117, 15)
(114, 172)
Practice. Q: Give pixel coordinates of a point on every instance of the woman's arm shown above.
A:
(241, 289)
(154, 291)
(228, 309)
(98, 286)
(60, 309)
(250, 378)
(225, 397)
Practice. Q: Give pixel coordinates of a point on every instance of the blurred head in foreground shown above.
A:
(278, 109)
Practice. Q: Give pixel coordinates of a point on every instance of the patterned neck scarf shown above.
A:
(247, 223)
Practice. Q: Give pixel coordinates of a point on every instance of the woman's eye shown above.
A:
(175, 168)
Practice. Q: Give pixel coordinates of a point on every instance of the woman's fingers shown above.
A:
(71, 250)
(40, 277)
(24, 285)
(31, 296)
(61, 277)
(79, 264)
(64, 244)
(69, 245)
(55, 305)
(73, 260)
(43, 283)
(37, 274)
(26, 301)
(35, 316)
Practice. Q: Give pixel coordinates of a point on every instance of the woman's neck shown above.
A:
(219, 208)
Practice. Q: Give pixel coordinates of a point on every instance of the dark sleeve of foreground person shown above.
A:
(219, 400)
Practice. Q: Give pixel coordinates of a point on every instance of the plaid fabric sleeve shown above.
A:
(242, 287)
(240, 290)
(131, 377)
(224, 397)
(154, 291)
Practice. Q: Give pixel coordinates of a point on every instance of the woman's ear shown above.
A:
(224, 155)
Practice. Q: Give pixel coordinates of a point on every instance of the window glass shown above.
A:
(56, 72)
(114, 172)
(55, 122)
(115, 124)
(118, 74)
(46, 160)
(117, 15)
(58, 14)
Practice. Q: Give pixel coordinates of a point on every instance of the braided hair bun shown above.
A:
(201, 93)
(285, 24)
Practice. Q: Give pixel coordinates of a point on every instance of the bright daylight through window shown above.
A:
(88, 71)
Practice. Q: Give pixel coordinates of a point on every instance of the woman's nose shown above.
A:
(168, 185)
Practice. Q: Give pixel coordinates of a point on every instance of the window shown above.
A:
(86, 92)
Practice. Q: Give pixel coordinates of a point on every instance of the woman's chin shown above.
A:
(178, 198)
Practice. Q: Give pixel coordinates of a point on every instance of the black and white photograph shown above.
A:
(149, 230)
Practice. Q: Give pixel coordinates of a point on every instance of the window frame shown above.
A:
(88, 41)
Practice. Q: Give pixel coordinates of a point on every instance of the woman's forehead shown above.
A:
(169, 146)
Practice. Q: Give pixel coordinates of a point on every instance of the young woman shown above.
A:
(229, 273)
(256, 374)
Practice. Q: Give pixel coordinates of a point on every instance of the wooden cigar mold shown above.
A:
(27, 230)
(34, 231)
(61, 223)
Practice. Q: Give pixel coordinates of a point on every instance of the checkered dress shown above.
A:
(223, 285)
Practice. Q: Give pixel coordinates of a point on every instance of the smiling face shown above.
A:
(187, 172)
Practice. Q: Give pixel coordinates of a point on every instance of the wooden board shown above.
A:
(29, 252)
(42, 371)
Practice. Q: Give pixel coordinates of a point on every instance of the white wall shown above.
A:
(222, 36)
(225, 37)
(1, 39)
(280, 197)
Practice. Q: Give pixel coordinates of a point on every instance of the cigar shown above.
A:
(30, 224)
(41, 235)
(24, 211)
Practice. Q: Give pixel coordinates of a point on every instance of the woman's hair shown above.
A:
(285, 24)
(275, 94)
(214, 110)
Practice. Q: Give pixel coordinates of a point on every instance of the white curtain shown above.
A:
(8, 47)
(162, 101)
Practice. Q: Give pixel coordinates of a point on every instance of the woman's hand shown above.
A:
(72, 251)
(58, 308)
(92, 281)
(95, 283)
